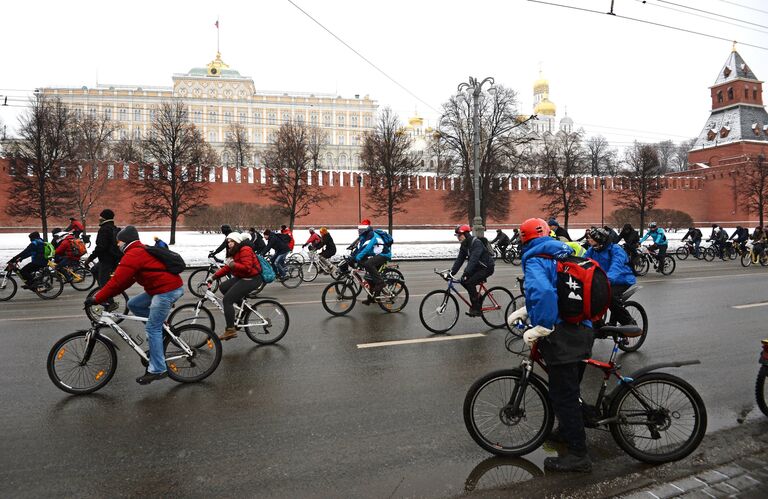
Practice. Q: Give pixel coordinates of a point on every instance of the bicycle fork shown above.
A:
(512, 413)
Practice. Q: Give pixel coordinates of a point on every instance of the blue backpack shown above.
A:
(267, 274)
(386, 238)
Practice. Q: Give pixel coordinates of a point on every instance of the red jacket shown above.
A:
(63, 248)
(314, 239)
(290, 234)
(139, 266)
(246, 264)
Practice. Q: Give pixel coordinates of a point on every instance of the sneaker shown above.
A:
(149, 377)
(474, 312)
(368, 300)
(569, 462)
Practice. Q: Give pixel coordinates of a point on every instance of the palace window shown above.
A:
(286, 118)
(211, 136)
(272, 119)
(137, 115)
(123, 134)
(212, 117)
(152, 115)
(137, 133)
(367, 121)
(227, 116)
(92, 112)
(300, 118)
(123, 114)
(242, 118)
(730, 93)
(353, 121)
(327, 120)
(746, 93)
(341, 140)
(198, 116)
(340, 120)
(343, 161)
(720, 96)
(313, 119)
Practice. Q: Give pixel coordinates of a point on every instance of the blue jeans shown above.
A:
(279, 267)
(156, 308)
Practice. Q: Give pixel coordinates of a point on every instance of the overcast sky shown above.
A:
(622, 79)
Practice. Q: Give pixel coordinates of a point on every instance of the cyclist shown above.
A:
(75, 227)
(515, 239)
(479, 267)
(559, 232)
(313, 241)
(695, 235)
(631, 239)
(285, 230)
(278, 242)
(257, 242)
(501, 241)
(718, 237)
(614, 235)
(614, 261)
(741, 236)
(759, 238)
(106, 251)
(562, 345)
(327, 245)
(372, 254)
(66, 254)
(660, 243)
(160, 243)
(225, 229)
(161, 290)
(244, 266)
(358, 243)
(35, 250)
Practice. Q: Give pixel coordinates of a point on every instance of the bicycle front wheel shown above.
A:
(494, 304)
(265, 321)
(640, 265)
(205, 358)
(668, 265)
(760, 389)
(682, 253)
(639, 318)
(339, 297)
(439, 311)
(94, 311)
(83, 279)
(309, 271)
(394, 297)
(8, 287)
(659, 418)
(492, 422)
(746, 259)
(293, 275)
(197, 282)
(710, 254)
(192, 313)
(50, 286)
(81, 367)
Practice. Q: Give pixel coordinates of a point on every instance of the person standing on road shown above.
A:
(562, 345)
(106, 251)
(161, 290)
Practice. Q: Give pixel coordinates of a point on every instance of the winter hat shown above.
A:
(364, 224)
(235, 236)
(108, 215)
(34, 235)
(553, 223)
(128, 234)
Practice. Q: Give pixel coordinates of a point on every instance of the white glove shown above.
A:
(534, 334)
(521, 314)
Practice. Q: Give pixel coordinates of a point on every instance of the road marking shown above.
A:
(41, 318)
(722, 276)
(750, 305)
(420, 340)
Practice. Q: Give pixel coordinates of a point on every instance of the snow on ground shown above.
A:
(410, 244)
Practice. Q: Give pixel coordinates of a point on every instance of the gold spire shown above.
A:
(733, 49)
(215, 66)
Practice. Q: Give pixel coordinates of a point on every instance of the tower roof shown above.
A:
(734, 68)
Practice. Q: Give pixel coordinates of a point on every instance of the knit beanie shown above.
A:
(107, 214)
(128, 234)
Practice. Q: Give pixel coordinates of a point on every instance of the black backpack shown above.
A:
(173, 262)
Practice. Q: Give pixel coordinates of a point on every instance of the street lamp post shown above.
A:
(359, 203)
(475, 88)
(602, 201)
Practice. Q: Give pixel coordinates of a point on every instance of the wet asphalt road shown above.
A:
(316, 416)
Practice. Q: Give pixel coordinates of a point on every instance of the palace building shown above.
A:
(219, 96)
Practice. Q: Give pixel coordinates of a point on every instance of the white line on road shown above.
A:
(41, 318)
(420, 340)
(750, 305)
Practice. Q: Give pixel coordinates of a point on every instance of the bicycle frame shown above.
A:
(481, 290)
(211, 297)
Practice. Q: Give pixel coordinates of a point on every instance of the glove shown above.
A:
(231, 264)
(303, 245)
(89, 301)
(521, 314)
(534, 334)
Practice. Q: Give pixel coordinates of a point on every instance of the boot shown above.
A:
(474, 309)
(229, 333)
(569, 462)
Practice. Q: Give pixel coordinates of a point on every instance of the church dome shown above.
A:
(416, 121)
(566, 121)
(545, 107)
(541, 86)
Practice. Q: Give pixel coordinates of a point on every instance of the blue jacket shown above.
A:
(657, 234)
(373, 246)
(35, 250)
(541, 280)
(614, 261)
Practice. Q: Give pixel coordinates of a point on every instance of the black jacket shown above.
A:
(740, 234)
(695, 235)
(278, 242)
(327, 244)
(473, 250)
(106, 245)
(630, 236)
(561, 232)
(501, 238)
(257, 242)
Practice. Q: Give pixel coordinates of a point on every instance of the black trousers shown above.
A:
(371, 265)
(619, 314)
(564, 393)
(234, 290)
(471, 282)
(28, 270)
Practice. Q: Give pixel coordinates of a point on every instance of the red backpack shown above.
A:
(583, 289)
(76, 249)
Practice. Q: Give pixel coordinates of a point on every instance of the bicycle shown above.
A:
(197, 279)
(45, 282)
(388, 270)
(439, 310)
(654, 417)
(78, 276)
(311, 268)
(85, 361)
(687, 249)
(645, 258)
(340, 296)
(752, 257)
(293, 274)
(760, 385)
(265, 321)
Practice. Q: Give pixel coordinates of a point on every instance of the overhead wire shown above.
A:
(702, 16)
(745, 6)
(711, 13)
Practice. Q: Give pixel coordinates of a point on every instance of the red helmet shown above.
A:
(533, 228)
(462, 229)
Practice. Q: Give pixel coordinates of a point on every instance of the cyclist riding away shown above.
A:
(480, 265)
(327, 245)
(759, 239)
(502, 241)
(225, 229)
(244, 266)
(562, 345)
(372, 254)
(613, 260)
(34, 249)
(659, 245)
(695, 235)
(161, 290)
(285, 230)
(257, 242)
(278, 242)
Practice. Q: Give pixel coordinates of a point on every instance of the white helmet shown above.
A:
(236, 237)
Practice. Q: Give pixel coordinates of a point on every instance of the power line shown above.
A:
(613, 14)
(374, 66)
(701, 16)
(711, 13)
(745, 6)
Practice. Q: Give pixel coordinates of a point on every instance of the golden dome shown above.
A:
(416, 121)
(545, 107)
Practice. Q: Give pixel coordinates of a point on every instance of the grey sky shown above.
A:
(613, 75)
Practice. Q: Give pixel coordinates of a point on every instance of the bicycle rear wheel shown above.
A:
(439, 311)
(668, 265)
(50, 285)
(206, 353)
(639, 318)
(640, 265)
(660, 418)
(309, 271)
(8, 287)
(83, 279)
(94, 311)
(78, 367)
(746, 259)
(192, 313)
(494, 304)
(394, 296)
(761, 388)
(265, 321)
(293, 275)
(710, 254)
(493, 424)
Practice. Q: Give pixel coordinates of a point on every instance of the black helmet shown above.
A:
(599, 235)
(226, 229)
(498, 230)
(714, 226)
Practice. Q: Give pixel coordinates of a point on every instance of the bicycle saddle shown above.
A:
(619, 331)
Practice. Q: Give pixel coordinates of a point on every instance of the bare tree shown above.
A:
(564, 163)
(752, 185)
(238, 147)
(501, 151)
(666, 153)
(170, 184)
(127, 150)
(317, 140)
(601, 158)
(388, 160)
(288, 160)
(642, 187)
(37, 157)
(680, 157)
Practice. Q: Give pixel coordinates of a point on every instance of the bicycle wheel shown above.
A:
(640, 265)
(206, 353)
(8, 287)
(296, 258)
(439, 311)
(492, 423)
(682, 253)
(196, 282)
(497, 473)
(668, 265)
(309, 271)
(394, 297)
(293, 275)
(265, 321)
(83, 279)
(79, 368)
(515, 258)
(392, 273)
(710, 254)
(339, 297)
(94, 311)
(639, 318)
(192, 313)
(733, 253)
(493, 305)
(50, 285)
(760, 388)
(746, 259)
(764, 260)
(660, 418)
